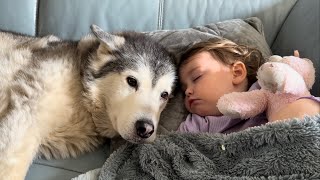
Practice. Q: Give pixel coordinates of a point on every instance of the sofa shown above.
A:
(288, 25)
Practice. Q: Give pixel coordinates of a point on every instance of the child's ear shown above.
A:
(239, 71)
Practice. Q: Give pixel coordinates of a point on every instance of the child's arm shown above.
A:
(297, 109)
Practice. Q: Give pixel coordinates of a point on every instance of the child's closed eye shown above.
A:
(196, 78)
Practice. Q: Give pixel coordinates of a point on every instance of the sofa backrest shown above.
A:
(288, 24)
(70, 19)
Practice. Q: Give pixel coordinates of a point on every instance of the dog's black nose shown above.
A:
(144, 128)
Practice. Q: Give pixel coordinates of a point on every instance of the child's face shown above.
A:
(204, 80)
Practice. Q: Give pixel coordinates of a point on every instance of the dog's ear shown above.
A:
(110, 41)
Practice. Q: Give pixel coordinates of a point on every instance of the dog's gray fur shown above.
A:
(60, 98)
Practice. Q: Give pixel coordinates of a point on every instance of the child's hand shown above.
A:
(297, 109)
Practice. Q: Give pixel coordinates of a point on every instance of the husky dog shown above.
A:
(60, 98)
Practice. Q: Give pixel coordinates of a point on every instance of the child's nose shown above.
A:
(188, 91)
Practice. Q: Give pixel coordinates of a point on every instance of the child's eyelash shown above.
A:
(197, 78)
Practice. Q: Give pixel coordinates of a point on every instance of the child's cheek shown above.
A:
(186, 104)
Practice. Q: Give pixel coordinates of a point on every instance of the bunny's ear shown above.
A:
(275, 58)
(296, 53)
(110, 40)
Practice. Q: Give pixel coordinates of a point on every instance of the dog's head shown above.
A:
(128, 79)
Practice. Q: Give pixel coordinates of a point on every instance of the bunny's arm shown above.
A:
(243, 104)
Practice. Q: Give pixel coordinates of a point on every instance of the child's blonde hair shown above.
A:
(228, 53)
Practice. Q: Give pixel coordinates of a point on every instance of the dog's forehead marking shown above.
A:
(156, 81)
(166, 82)
(160, 71)
(144, 75)
(158, 68)
(139, 50)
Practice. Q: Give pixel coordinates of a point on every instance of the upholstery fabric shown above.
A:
(71, 19)
(19, 16)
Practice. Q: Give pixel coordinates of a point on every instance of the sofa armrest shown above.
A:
(65, 169)
(301, 32)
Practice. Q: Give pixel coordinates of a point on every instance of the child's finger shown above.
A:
(296, 53)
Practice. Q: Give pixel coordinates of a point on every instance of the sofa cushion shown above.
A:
(71, 19)
(18, 16)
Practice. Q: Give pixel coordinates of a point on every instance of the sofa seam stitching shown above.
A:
(36, 20)
(160, 14)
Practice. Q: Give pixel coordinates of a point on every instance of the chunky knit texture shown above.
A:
(281, 150)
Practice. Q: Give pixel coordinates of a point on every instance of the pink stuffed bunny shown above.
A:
(282, 81)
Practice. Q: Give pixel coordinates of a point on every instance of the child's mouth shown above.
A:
(193, 101)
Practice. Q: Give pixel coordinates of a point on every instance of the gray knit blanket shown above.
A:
(281, 150)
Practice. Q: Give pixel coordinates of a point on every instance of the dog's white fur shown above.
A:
(44, 108)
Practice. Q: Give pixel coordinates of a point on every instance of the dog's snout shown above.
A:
(144, 128)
